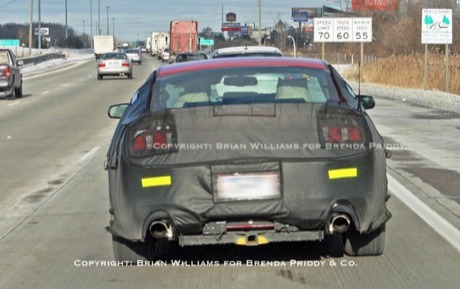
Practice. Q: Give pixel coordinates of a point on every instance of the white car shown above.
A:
(240, 51)
(165, 55)
(134, 54)
(114, 64)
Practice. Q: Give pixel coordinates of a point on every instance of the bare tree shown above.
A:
(345, 5)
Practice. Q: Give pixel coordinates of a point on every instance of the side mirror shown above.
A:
(20, 62)
(117, 110)
(367, 101)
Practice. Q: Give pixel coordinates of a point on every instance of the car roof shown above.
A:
(246, 50)
(261, 61)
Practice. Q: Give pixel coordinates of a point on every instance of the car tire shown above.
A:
(371, 244)
(130, 76)
(99, 77)
(130, 252)
(18, 91)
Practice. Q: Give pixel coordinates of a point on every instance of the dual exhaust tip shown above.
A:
(161, 229)
(339, 223)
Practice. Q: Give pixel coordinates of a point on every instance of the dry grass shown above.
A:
(408, 71)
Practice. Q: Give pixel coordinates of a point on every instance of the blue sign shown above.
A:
(300, 14)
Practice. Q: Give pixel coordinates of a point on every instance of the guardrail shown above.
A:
(41, 58)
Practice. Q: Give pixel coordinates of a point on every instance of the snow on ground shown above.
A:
(71, 56)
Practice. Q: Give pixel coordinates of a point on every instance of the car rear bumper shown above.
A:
(113, 71)
(311, 192)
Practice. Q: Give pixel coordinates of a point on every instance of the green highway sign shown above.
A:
(9, 42)
(208, 42)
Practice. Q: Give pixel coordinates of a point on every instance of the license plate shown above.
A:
(113, 64)
(248, 186)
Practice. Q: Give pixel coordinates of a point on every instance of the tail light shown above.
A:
(341, 127)
(101, 64)
(338, 134)
(152, 136)
(125, 63)
(7, 72)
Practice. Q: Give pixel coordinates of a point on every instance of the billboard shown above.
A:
(304, 14)
(230, 17)
(360, 5)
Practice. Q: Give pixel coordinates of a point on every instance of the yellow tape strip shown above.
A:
(343, 173)
(156, 181)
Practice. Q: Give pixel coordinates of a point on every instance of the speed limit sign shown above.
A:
(342, 30)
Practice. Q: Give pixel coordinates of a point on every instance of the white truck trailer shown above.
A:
(103, 44)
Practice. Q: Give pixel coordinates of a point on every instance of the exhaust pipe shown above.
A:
(161, 229)
(339, 224)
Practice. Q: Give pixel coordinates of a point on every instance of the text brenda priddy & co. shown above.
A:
(232, 263)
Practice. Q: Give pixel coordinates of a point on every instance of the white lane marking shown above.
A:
(88, 155)
(45, 92)
(433, 219)
(13, 103)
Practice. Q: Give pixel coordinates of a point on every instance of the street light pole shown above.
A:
(293, 44)
(265, 40)
(107, 20)
(98, 17)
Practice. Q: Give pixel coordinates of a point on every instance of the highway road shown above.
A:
(54, 203)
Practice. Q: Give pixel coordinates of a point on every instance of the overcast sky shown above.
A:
(137, 18)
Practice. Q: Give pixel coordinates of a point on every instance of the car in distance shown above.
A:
(114, 64)
(134, 55)
(165, 55)
(190, 56)
(240, 51)
(245, 151)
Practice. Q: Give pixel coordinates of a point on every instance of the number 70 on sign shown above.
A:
(342, 30)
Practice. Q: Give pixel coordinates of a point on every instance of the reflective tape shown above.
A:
(343, 173)
(156, 181)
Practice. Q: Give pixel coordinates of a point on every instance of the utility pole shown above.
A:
(66, 33)
(98, 17)
(39, 25)
(91, 22)
(260, 22)
(31, 19)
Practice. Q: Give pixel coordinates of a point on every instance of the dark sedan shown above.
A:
(246, 151)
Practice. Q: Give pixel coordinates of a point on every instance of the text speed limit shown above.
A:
(342, 30)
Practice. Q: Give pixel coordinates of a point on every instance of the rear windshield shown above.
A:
(113, 56)
(190, 57)
(231, 86)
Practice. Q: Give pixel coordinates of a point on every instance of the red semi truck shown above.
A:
(183, 37)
